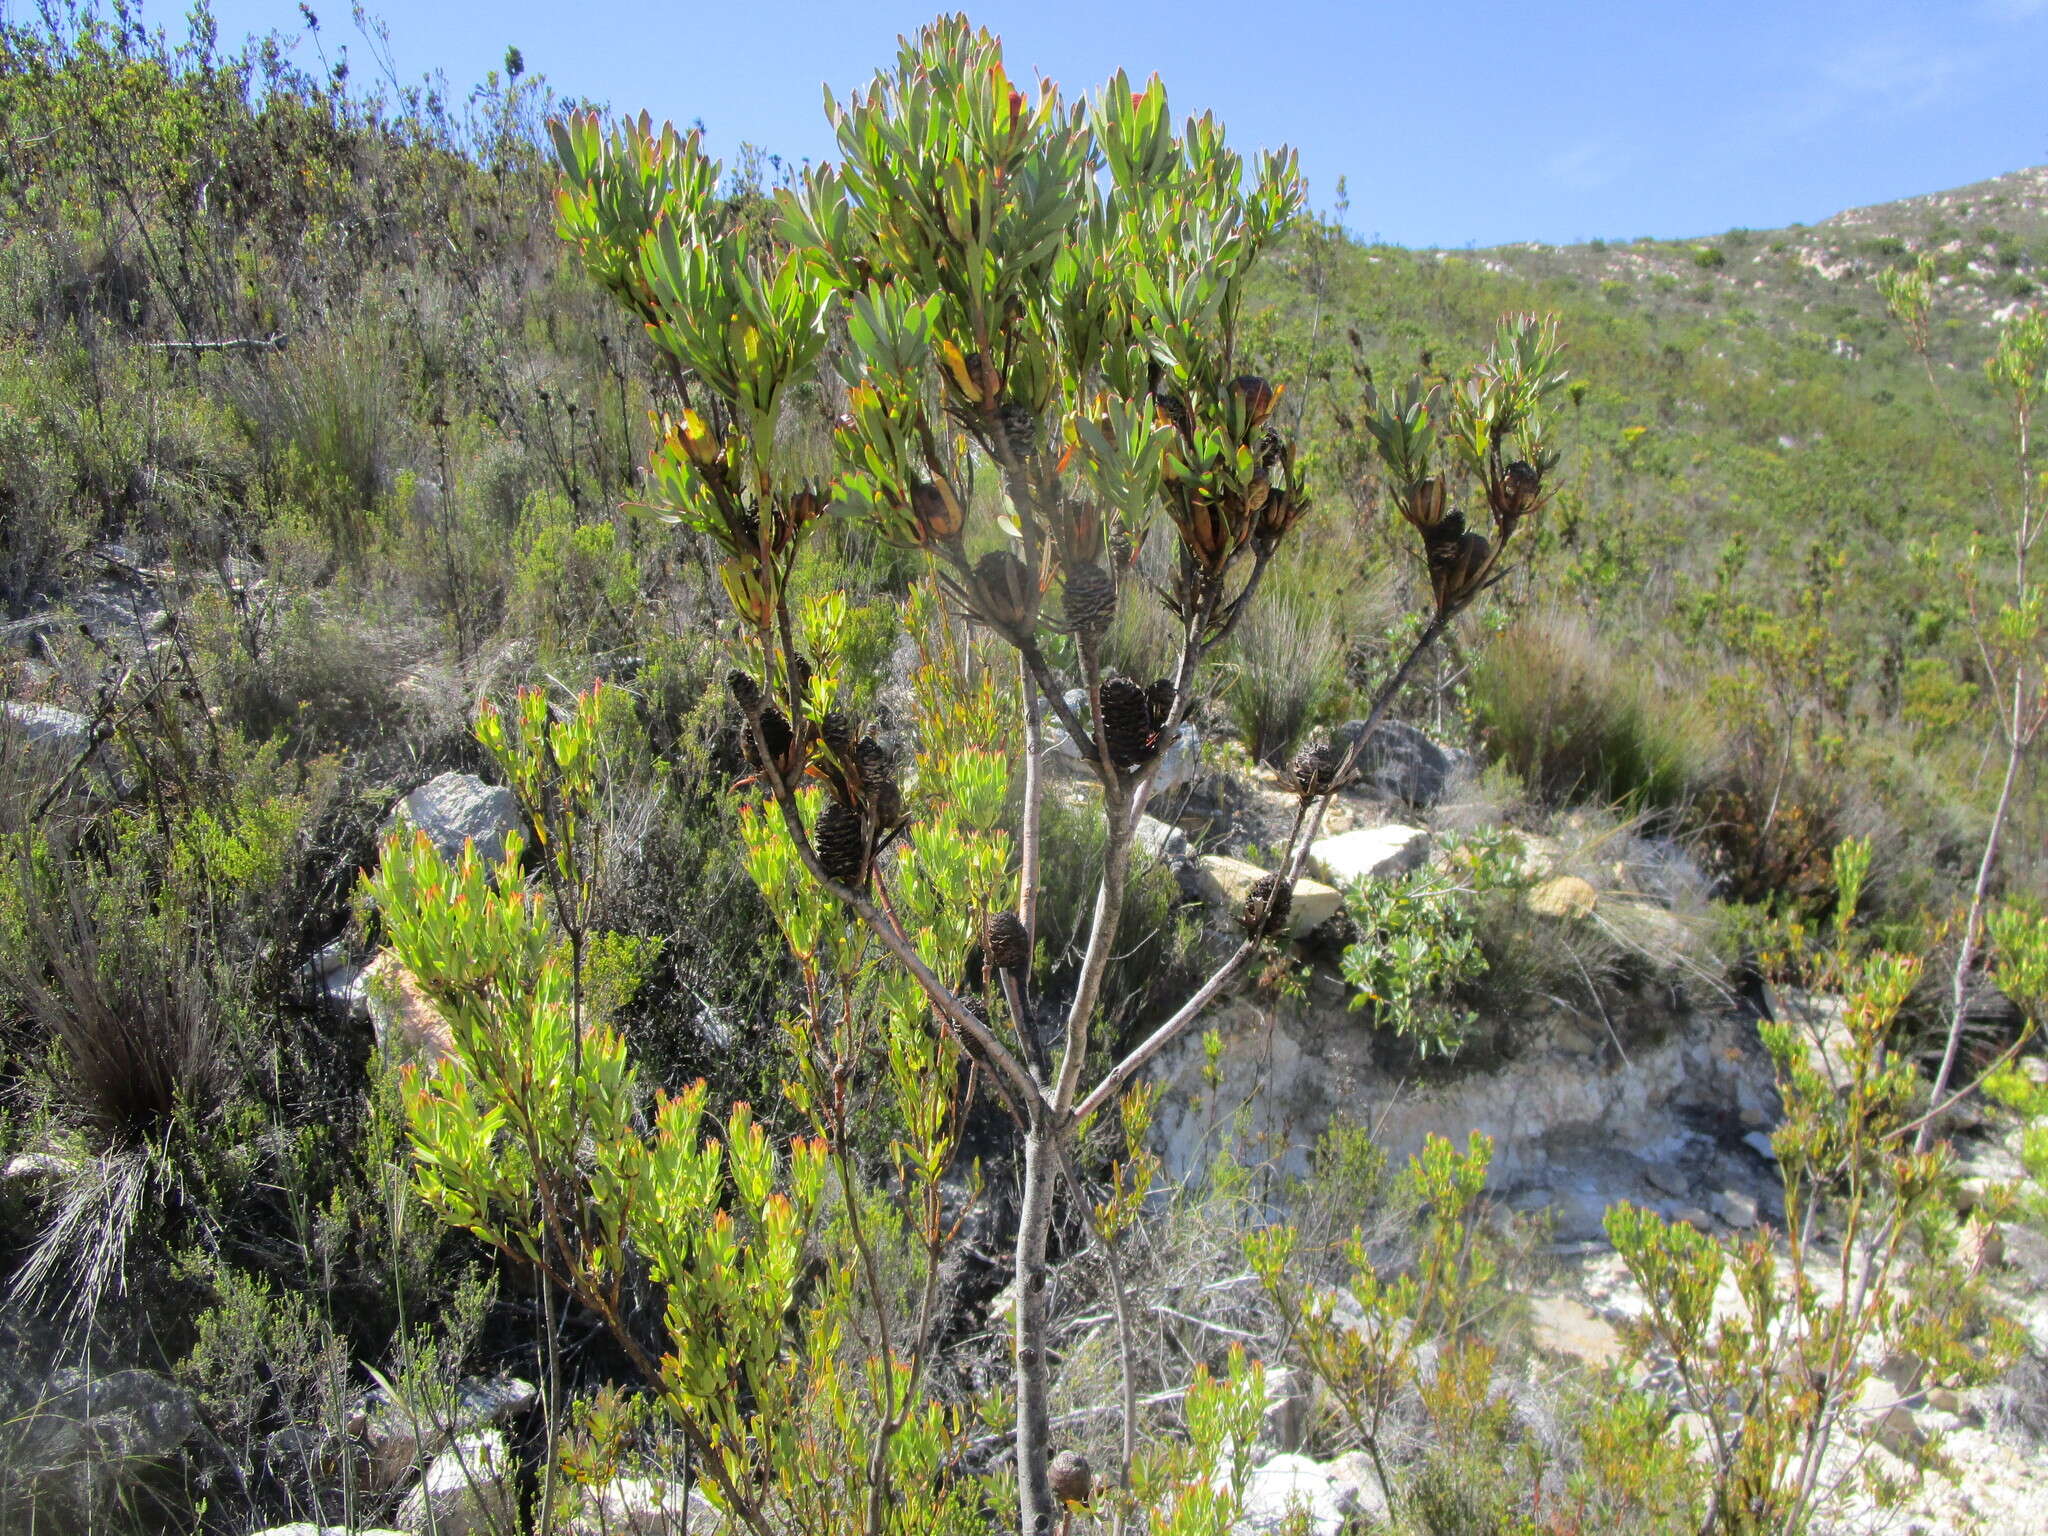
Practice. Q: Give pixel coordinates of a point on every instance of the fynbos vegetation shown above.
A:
(997, 836)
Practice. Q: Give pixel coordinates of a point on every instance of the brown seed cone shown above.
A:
(1126, 723)
(769, 739)
(1072, 1479)
(1267, 908)
(1460, 577)
(1002, 590)
(835, 730)
(1258, 397)
(878, 782)
(1005, 942)
(1314, 768)
(1426, 502)
(1516, 491)
(1019, 425)
(745, 691)
(937, 515)
(842, 844)
(1089, 601)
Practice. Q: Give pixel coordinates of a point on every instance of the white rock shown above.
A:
(403, 1018)
(54, 737)
(1290, 1400)
(1164, 841)
(1288, 1483)
(1369, 853)
(1736, 1208)
(1760, 1144)
(1180, 763)
(1564, 1325)
(1358, 1484)
(641, 1506)
(468, 1487)
(1226, 882)
(1885, 1418)
(457, 808)
(398, 1438)
(1670, 1178)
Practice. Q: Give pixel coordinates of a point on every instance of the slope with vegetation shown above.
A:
(317, 439)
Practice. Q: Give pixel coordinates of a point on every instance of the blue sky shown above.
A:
(1479, 122)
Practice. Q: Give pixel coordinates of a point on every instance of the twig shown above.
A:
(276, 341)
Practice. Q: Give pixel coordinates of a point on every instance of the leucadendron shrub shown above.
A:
(1021, 318)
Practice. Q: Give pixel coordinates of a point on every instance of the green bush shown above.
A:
(1286, 666)
(576, 587)
(1555, 705)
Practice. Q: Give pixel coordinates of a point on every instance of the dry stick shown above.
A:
(1121, 808)
(274, 342)
(2019, 734)
(1973, 924)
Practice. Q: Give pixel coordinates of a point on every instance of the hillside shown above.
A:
(319, 443)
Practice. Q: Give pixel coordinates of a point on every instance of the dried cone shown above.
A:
(1020, 427)
(1314, 768)
(1426, 501)
(1258, 397)
(836, 731)
(1089, 601)
(939, 517)
(1266, 909)
(878, 783)
(842, 844)
(1473, 554)
(1004, 941)
(770, 740)
(1126, 723)
(1159, 699)
(1072, 1479)
(745, 691)
(1002, 590)
(1516, 492)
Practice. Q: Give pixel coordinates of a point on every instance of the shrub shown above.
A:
(327, 414)
(1554, 705)
(576, 588)
(1286, 663)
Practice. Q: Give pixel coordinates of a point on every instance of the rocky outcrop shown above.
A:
(1568, 1101)
(642, 1506)
(401, 1436)
(1369, 853)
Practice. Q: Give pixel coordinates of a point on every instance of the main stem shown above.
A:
(1034, 1428)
